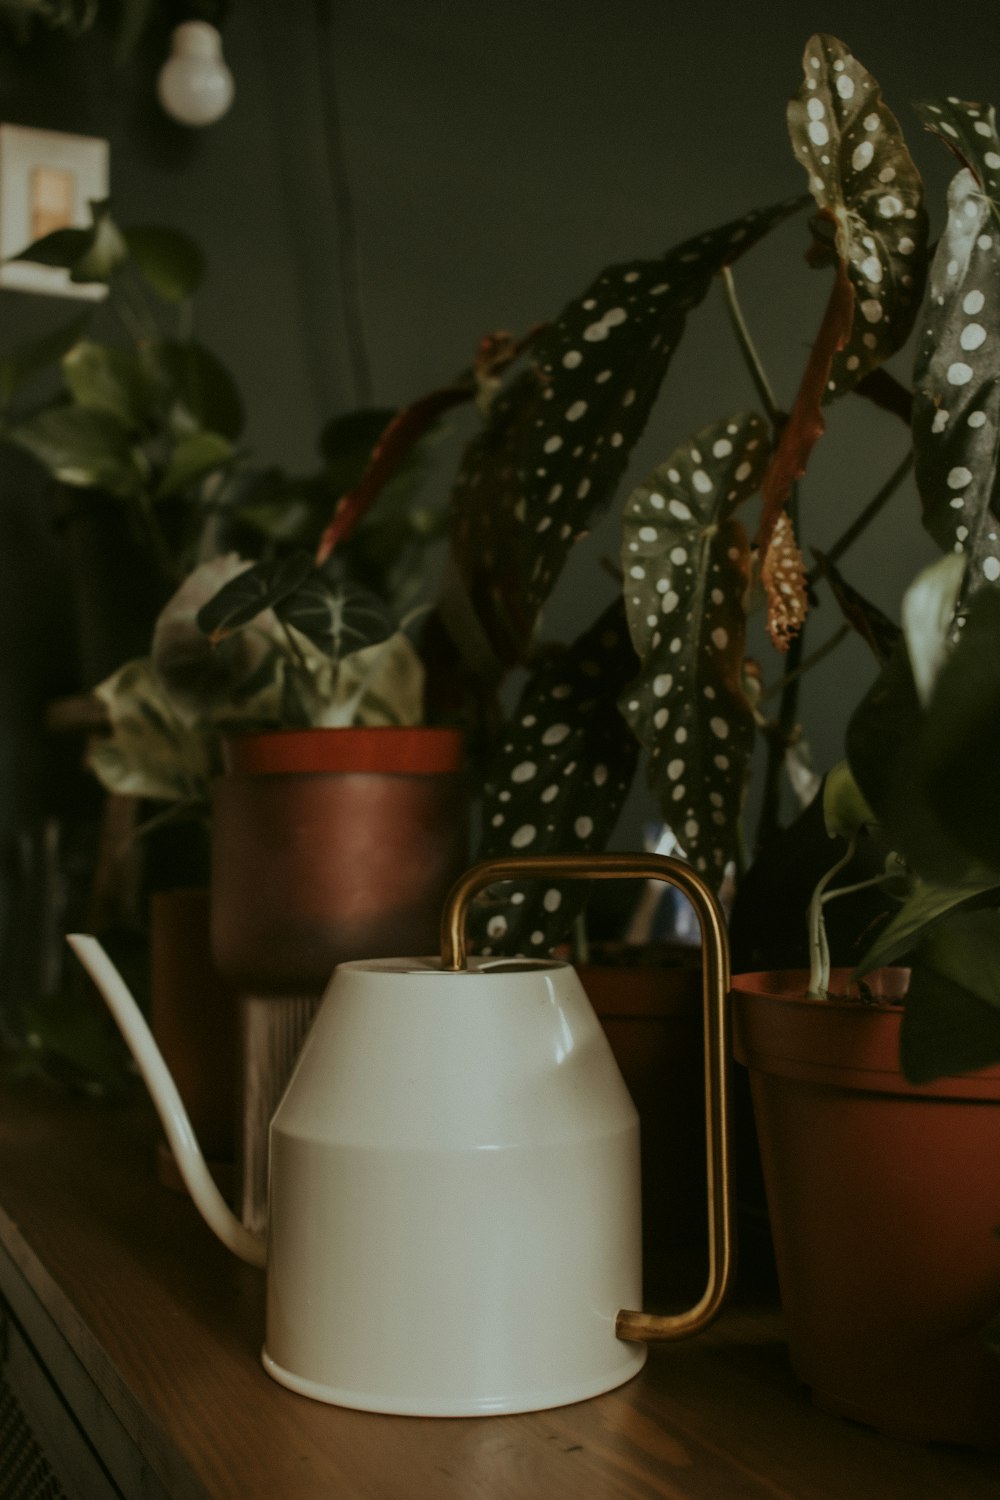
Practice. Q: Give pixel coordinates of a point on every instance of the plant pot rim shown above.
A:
(840, 1044)
(395, 749)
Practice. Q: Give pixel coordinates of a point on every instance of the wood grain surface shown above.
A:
(167, 1327)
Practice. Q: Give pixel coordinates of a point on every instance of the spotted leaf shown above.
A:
(956, 414)
(557, 784)
(559, 437)
(783, 577)
(686, 564)
(867, 187)
(969, 130)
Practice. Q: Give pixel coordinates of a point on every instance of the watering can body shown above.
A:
(454, 1202)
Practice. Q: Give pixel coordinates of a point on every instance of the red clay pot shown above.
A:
(885, 1202)
(651, 1013)
(332, 844)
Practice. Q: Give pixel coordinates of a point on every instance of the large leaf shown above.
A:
(169, 260)
(866, 185)
(84, 449)
(193, 460)
(39, 354)
(206, 397)
(559, 437)
(956, 417)
(873, 224)
(106, 379)
(923, 910)
(885, 750)
(959, 738)
(951, 1023)
(557, 784)
(686, 564)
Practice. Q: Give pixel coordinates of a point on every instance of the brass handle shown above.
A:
(715, 988)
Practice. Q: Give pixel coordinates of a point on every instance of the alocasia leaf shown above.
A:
(956, 417)
(686, 564)
(557, 784)
(559, 437)
(257, 588)
(339, 618)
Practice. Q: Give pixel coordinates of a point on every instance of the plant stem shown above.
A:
(808, 662)
(819, 953)
(871, 510)
(757, 373)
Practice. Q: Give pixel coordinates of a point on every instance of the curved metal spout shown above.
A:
(169, 1106)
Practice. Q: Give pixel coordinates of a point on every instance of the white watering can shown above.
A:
(454, 1174)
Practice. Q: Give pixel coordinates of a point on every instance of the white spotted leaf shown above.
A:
(969, 130)
(559, 437)
(868, 189)
(686, 563)
(956, 408)
(557, 784)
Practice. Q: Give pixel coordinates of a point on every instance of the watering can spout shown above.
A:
(173, 1116)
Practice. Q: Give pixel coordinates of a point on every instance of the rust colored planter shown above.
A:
(652, 1016)
(332, 844)
(885, 1202)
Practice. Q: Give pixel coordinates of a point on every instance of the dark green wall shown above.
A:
(467, 166)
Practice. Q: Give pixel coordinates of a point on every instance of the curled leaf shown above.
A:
(783, 575)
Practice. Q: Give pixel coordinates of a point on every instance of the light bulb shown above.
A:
(195, 86)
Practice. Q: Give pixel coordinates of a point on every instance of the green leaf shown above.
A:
(106, 251)
(863, 180)
(845, 811)
(63, 248)
(686, 563)
(114, 381)
(928, 619)
(557, 784)
(83, 448)
(958, 743)
(956, 412)
(167, 259)
(951, 1020)
(206, 395)
(39, 354)
(910, 926)
(885, 752)
(193, 460)
(558, 439)
(244, 597)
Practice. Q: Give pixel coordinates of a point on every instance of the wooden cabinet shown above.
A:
(130, 1368)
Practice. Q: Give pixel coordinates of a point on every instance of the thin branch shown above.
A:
(808, 662)
(871, 510)
(748, 349)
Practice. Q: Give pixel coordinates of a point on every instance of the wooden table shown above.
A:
(120, 1298)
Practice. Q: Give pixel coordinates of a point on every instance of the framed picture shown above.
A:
(47, 180)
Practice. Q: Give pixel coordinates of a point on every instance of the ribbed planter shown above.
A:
(885, 1203)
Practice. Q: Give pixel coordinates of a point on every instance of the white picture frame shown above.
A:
(47, 181)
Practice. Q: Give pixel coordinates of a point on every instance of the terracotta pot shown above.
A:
(333, 844)
(193, 1015)
(885, 1202)
(652, 1016)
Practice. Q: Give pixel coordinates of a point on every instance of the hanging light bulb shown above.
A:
(195, 86)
